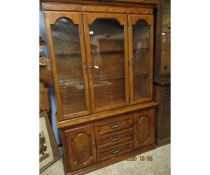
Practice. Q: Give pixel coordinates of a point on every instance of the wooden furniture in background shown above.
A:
(163, 117)
(102, 61)
(44, 79)
(162, 73)
(44, 99)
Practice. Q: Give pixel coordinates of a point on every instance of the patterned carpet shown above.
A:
(155, 162)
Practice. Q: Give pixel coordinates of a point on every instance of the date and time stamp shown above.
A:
(134, 158)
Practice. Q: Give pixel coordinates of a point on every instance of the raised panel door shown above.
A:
(66, 45)
(143, 128)
(81, 147)
(140, 58)
(107, 51)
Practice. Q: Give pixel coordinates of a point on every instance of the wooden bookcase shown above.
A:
(102, 56)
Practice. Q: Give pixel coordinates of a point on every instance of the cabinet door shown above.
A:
(81, 147)
(107, 53)
(140, 57)
(144, 128)
(66, 47)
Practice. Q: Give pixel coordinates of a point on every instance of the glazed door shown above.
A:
(81, 148)
(66, 47)
(107, 55)
(140, 57)
(144, 128)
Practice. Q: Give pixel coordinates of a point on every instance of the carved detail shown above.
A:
(83, 148)
(81, 152)
(144, 133)
(143, 128)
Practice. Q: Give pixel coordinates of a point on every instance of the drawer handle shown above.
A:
(115, 138)
(114, 126)
(115, 151)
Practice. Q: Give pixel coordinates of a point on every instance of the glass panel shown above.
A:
(66, 42)
(141, 60)
(108, 62)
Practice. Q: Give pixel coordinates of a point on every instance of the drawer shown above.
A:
(113, 124)
(113, 151)
(115, 138)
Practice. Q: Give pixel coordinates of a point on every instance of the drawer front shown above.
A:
(113, 151)
(114, 138)
(113, 124)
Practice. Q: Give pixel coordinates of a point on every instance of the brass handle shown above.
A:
(115, 151)
(114, 126)
(115, 138)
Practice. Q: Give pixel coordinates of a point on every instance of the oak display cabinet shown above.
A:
(102, 62)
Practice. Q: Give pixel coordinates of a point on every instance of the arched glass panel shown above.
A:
(66, 41)
(108, 62)
(141, 60)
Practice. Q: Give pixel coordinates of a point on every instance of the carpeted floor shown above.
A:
(157, 162)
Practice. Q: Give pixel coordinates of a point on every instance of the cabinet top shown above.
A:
(112, 6)
(148, 3)
(105, 1)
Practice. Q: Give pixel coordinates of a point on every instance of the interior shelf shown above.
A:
(68, 54)
(108, 51)
(98, 81)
